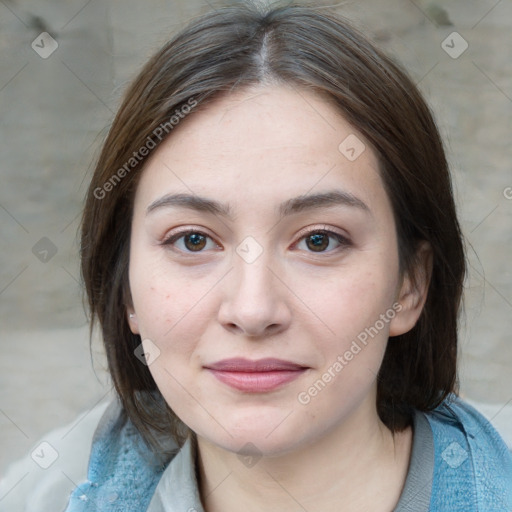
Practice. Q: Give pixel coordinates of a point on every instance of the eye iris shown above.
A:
(320, 241)
(197, 240)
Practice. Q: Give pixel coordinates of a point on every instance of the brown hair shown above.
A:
(310, 48)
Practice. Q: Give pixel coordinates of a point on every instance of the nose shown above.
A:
(255, 301)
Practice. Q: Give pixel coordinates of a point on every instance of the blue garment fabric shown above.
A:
(472, 465)
(122, 475)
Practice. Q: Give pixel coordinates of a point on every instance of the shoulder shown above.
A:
(91, 464)
(473, 465)
(34, 487)
(123, 471)
(456, 418)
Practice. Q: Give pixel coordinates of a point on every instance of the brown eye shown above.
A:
(321, 240)
(317, 242)
(195, 241)
(189, 241)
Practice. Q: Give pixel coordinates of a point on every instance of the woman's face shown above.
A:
(233, 261)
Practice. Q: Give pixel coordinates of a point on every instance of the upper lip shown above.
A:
(239, 364)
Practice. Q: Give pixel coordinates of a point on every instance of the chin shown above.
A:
(262, 433)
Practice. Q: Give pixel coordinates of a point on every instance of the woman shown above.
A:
(271, 248)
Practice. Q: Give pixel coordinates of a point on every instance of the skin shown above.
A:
(255, 149)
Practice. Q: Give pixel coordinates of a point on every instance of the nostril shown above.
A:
(233, 327)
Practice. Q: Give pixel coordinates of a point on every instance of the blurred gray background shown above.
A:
(54, 113)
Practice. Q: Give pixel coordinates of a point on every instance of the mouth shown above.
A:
(259, 376)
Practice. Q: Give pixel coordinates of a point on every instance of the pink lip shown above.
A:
(255, 376)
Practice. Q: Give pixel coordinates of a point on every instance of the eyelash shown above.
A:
(342, 240)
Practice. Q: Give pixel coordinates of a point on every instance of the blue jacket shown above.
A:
(472, 466)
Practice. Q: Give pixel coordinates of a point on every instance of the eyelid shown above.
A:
(184, 231)
(322, 228)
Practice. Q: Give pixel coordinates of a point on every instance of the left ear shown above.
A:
(413, 291)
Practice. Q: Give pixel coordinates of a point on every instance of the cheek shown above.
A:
(358, 309)
(356, 306)
(171, 312)
(170, 305)
(354, 300)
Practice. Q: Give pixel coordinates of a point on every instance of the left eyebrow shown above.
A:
(289, 207)
(321, 200)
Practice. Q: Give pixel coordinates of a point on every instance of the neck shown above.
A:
(359, 465)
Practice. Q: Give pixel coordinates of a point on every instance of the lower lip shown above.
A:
(257, 382)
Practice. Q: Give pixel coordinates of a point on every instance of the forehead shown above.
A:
(263, 142)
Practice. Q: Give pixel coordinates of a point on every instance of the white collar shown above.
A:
(177, 490)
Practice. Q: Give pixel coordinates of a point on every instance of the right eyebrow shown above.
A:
(192, 202)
